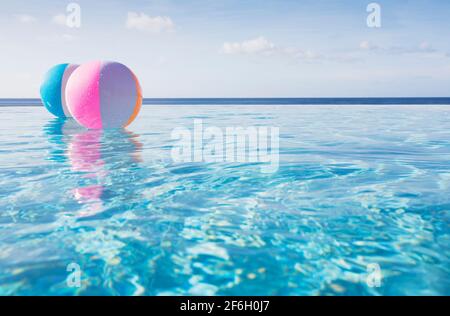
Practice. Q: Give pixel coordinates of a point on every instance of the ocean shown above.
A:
(263, 101)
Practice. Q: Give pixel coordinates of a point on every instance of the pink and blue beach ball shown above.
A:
(103, 95)
(53, 89)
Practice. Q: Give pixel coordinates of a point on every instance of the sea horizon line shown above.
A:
(265, 101)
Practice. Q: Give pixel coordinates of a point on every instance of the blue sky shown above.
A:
(236, 48)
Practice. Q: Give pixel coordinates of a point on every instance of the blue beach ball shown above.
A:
(53, 89)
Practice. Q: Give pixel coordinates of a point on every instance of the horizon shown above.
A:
(261, 101)
(276, 97)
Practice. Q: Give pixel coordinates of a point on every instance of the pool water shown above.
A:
(357, 187)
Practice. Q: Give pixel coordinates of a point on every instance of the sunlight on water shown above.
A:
(356, 185)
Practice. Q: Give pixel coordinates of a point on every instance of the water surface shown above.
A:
(356, 185)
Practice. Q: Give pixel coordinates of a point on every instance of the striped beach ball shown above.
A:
(103, 95)
(53, 89)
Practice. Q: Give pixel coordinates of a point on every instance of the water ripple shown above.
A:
(355, 186)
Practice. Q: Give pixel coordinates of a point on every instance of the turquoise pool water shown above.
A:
(357, 186)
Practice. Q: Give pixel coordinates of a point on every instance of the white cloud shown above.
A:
(366, 45)
(426, 47)
(308, 55)
(263, 46)
(143, 22)
(56, 38)
(253, 46)
(25, 18)
(59, 19)
(423, 48)
(68, 37)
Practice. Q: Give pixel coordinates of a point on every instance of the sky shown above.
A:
(235, 48)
